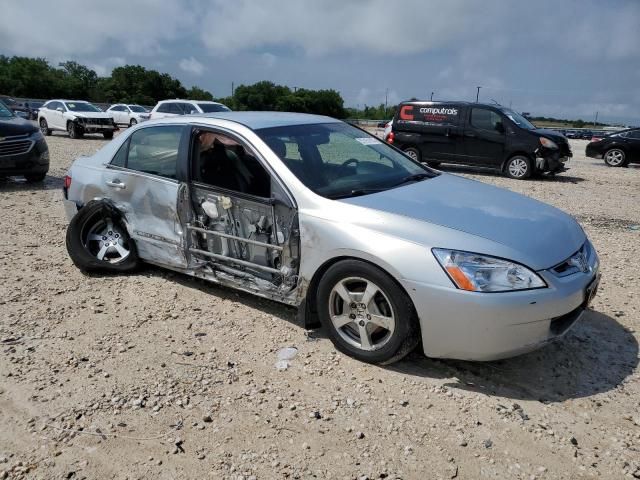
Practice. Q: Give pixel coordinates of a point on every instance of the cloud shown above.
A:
(191, 65)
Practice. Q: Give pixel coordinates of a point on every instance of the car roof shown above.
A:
(66, 100)
(176, 100)
(453, 102)
(258, 120)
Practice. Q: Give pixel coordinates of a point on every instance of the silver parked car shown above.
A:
(312, 212)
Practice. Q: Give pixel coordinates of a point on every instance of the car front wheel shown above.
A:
(366, 313)
(107, 135)
(73, 130)
(97, 240)
(44, 127)
(615, 158)
(518, 167)
(133, 122)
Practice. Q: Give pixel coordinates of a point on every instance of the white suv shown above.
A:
(124, 114)
(76, 117)
(171, 108)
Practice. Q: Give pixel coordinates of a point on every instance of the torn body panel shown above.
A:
(244, 242)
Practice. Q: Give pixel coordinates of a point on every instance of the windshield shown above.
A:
(518, 119)
(213, 107)
(4, 111)
(81, 107)
(337, 160)
(137, 108)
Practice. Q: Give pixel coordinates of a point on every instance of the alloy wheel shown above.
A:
(614, 157)
(106, 242)
(411, 154)
(361, 313)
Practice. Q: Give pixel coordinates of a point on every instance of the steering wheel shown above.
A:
(353, 161)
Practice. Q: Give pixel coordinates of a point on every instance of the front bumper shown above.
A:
(490, 326)
(553, 161)
(592, 152)
(35, 160)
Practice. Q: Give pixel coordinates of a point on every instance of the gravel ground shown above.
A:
(158, 375)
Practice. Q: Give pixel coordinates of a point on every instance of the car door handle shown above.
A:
(115, 184)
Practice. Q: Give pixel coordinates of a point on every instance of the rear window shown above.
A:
(440, 114)
(213, 107)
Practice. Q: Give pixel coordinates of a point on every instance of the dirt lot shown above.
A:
(157, 375)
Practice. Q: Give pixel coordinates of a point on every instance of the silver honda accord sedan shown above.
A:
(315, 213)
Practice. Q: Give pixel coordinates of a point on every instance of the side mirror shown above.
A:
(193, 112)
(59, 109)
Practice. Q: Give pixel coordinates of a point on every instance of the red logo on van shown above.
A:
(406, 112)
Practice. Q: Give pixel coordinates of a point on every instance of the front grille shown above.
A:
(577, 262)
(14, 147)
(97, 121)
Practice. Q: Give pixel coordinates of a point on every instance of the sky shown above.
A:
(568, 59)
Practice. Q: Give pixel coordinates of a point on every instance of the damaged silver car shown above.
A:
(309, 211)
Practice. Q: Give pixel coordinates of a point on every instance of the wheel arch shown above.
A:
(308, 308)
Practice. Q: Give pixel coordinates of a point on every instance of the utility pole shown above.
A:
(386, 99)
(595, 122)
(295, 89)
(478, 94)
(232, 88)
(431, 95)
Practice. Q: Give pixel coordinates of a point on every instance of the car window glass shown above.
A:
(163, 108)
(221, 161)
(155, 150)
(120, 159)
(187, 108)
(635, 134)
(485, 119)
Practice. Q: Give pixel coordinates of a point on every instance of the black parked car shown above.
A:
(32, 107)
(618, 149)
(23, 149)
(479, 135)
(586, 134)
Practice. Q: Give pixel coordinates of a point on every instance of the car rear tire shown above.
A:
(73, 130)
(35, 177)
(615, 157)
(98, 241)
(133, 122)
(413, 153)
(44, 127)
(107, 135)
(366, 313)
(518, 167)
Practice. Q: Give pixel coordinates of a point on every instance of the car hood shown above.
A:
(15, 126)
(91, 114)
(551, 134)
(535, 233)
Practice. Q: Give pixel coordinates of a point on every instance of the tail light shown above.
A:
(595, 139)
(390, 137)
(66, 186)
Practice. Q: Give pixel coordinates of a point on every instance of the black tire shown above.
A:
(394, 345)
(133, 122)
(413, 153)
(35, 177)
(107, 135)
(518, 167)
(84, 252)
(615, 157)
(44, 127)
(74, 131)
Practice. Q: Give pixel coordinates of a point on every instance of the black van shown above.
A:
(477, 134)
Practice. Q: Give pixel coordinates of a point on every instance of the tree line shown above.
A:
(35, 78)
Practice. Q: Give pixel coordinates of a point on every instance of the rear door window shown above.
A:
(152, 150)
(635, 134)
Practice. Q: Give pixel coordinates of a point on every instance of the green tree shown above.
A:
(78, 81)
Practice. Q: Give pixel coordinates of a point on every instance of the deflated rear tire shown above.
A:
(366, 313)
(98, 241)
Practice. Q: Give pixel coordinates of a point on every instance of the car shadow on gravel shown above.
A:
(596, 356)
(19, 184)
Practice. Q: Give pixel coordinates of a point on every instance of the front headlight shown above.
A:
(545, 142)
(482, 273)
